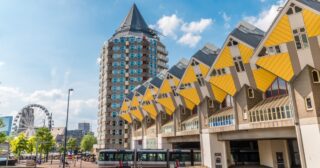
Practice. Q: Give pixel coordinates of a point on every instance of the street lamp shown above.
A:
(66, 130)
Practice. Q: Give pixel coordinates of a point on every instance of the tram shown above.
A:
(116, 158)
(148, 158)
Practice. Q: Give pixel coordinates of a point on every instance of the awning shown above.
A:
(271, 102)
(168, 124)
(223, 111)
(193, 118)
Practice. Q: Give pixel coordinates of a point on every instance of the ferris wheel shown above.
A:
(30, 118)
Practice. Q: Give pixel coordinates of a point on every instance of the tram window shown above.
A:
(143, 157)
(161, 157)
(152, 157)
(118, 156)
(185, 157)
(197, 156)
(109, 156)
(101, 156)
(174, 156)
(127, 157)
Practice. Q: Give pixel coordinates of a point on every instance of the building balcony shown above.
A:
(162, 50)
(164, 58)
(190, 126)
(167, 130)
(271, 112)
(222, 120)
(151, 131)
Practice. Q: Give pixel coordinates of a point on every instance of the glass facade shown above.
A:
(7, 121)
(278, 87)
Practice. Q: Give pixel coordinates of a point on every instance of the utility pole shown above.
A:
(35, 165)
(8, 154)
(66, 131)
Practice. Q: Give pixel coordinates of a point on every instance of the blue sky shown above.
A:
(48, 46)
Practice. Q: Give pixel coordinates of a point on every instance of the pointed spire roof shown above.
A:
(134, 22)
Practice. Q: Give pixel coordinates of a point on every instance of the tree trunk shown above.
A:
(47, 156)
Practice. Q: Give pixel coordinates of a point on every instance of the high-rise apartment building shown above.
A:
(85, 127)
(130, 57)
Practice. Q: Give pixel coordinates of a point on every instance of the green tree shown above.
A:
(18, 144)
(45, 141)
(1, 123)
(31, 145)
(87, 142)
(60, 149)
(2, 134)
(9, 138)
(72, 144)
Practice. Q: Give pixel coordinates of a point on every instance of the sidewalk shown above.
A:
(57, 164)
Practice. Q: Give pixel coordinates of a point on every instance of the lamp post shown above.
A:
(66, 130)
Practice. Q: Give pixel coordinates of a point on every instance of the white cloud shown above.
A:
(265, 18)
(8, 94)
(55, 100)
(196, 26)
(185, 33)
(98, 60)
(226, 19)
(168, 25)
(189, 39)
(45, 95)
(2, 63)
